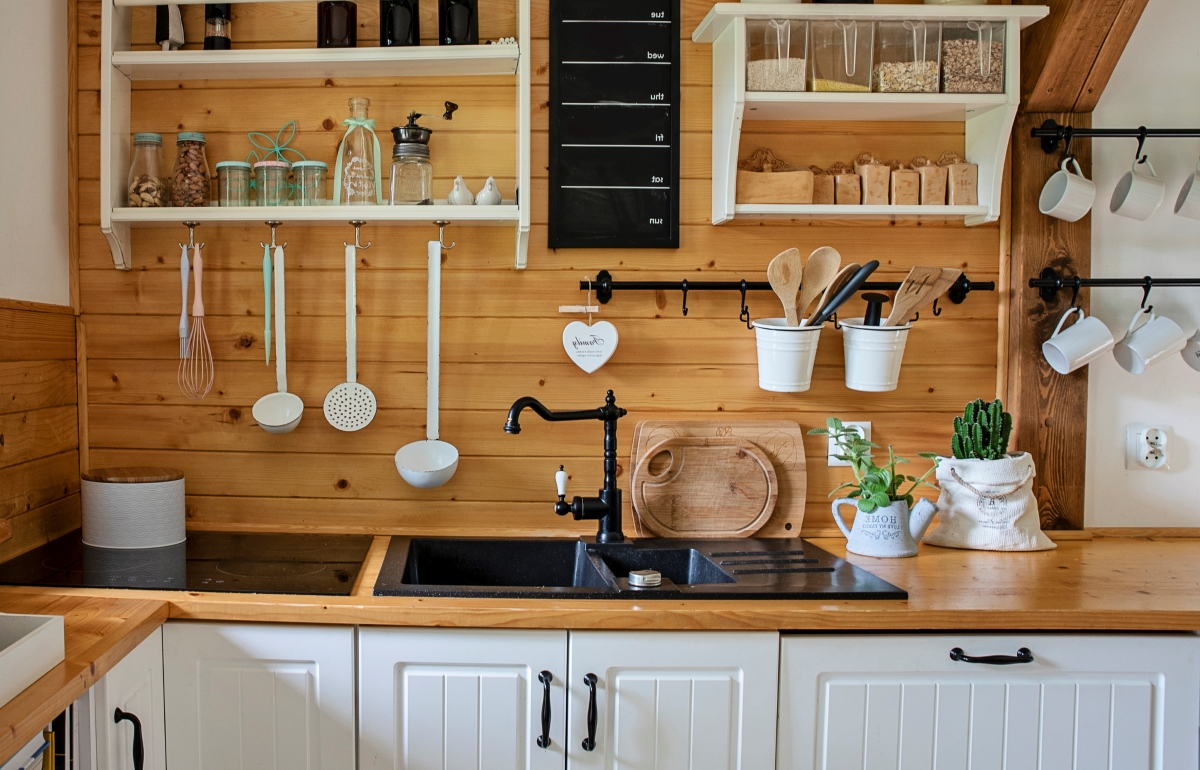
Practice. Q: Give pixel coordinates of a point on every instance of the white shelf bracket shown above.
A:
(728, 104)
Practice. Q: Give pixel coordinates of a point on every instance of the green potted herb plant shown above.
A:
(887, 524)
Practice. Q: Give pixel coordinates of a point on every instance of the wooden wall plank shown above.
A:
(36, 483)
(27, 436)
(41, 525)
(30, 336)
(1110, 52)
(29, 385)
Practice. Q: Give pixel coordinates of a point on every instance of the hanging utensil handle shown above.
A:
(267, 301)
(185, 328)
(198, 270)
(280, 324)
(351, 316)
(433, 355)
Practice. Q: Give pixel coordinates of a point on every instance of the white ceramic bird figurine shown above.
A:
(460, 195)
(489, 195)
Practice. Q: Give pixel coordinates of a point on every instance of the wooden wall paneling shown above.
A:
(1049, 410)
(501, 332)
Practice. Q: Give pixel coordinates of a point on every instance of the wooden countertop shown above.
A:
(1117, 584)
(99, 632)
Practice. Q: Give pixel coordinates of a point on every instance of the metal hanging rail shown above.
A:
(1049, 282)
(1051, 133)
(604, 286)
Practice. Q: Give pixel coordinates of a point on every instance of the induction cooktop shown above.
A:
(235, 562)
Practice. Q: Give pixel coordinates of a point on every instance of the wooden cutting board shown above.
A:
(782, 441)
(692, 486)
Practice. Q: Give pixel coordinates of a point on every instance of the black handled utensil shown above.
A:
(846, 292)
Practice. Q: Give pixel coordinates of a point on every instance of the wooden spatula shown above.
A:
(785, 273)
(922, 286)
(821, 268)
(839, 280)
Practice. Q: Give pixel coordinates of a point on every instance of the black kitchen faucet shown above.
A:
(607, 507)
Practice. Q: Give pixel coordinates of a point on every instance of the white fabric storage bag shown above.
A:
(988, 505)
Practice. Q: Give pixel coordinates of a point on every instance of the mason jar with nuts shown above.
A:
(190, 183)
(146, 185)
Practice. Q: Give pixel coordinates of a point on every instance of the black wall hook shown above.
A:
(745, 314)
(1146, 287)
(1141, 143)
(1070, 134)
(937, 311)
(683, 285)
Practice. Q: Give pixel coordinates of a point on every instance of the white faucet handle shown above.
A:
(560, 478)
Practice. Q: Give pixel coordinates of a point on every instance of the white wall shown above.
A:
(34, 242)
(1157, 84)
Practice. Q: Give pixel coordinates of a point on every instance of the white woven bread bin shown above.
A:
(137, 507)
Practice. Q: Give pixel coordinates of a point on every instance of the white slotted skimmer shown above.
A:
(351, 405)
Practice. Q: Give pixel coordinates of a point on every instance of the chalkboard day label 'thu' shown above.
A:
(614, 124)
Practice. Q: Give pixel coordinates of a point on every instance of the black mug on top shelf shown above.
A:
(458, 22)
(337, 24)
(399, 23)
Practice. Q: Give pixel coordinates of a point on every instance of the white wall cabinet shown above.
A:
(456, 698)
(135, 685)
(1127, 702)
(674, 700)
(268, 697)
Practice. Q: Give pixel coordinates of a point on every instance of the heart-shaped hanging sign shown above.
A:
(590, 347)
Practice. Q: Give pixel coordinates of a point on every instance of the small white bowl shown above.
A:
(278, 413)
(427, 464)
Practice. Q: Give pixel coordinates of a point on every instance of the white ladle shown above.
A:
(430, 463)
(351, 405)
(279, 412)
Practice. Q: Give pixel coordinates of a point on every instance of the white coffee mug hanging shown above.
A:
(588, 345)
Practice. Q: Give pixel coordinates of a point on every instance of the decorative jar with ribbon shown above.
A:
(356, 176)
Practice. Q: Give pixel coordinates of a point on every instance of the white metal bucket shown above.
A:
(873, 355)
(786, 355)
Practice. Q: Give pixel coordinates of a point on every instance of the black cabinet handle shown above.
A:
(1023, 656)
(139, 750)
(543, 740)
(589, 743)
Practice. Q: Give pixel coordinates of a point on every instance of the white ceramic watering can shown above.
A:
(886, 532)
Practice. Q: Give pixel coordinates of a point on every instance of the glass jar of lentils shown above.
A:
(146, 184)
(190, 183)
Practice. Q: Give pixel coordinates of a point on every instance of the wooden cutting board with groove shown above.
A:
(782, 441)
(690, 486)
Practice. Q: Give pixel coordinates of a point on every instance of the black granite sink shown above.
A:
(767, 568)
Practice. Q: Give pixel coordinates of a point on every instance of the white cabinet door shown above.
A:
(259, 697)
(135, 686)
(673, 700)
(455, 699)
(1128, 702)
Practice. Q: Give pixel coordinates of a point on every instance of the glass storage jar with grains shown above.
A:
(973, 57)
(412, 174)
(906, 57)
(233, 183)
(147, 185)
(840, 53)
(776, 54)
(190, 180)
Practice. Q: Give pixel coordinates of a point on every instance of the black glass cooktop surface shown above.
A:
(236, 562)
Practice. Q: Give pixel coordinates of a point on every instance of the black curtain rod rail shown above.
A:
(1049, 283)
(1051, 134)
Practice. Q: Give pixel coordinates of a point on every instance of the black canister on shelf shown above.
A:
(218, 35)
(337, 24)
(458, 22)
(399, 22)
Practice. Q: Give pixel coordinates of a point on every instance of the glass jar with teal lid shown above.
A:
(147, 184)
(233, 183)
(190, 182)
(271, 182)
(308, 178)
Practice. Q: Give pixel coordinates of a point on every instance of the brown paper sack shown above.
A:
(847, 189)
(876, 177)
(822, 187)
(963, 180)
(933, 182)
(774, 186)
(906, 187)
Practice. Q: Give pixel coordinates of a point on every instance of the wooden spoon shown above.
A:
(838, 281)
(785, 273)
(922, 286)
(821, 268)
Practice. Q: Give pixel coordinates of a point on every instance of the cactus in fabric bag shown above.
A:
(982, 432)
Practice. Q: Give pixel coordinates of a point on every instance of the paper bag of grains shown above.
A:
(875, 178)
(932, 182)
(962, 183)
(906, 187)
(764, 178)
(847, 185)
(822, 186)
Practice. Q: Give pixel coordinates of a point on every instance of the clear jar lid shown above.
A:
(146, 137)
(310, 164)
(189, 136)
(233, 164)
(272, 164)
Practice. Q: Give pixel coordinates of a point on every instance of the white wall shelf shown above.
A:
(120, 66)
(987, 118)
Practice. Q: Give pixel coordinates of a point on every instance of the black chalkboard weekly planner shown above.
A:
(614, 124)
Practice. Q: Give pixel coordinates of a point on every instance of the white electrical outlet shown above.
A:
(1146, 447)
(864, 430)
